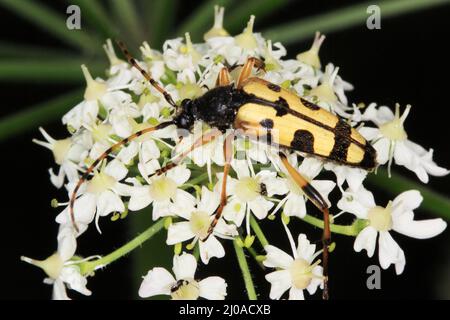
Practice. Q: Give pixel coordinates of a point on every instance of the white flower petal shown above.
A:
(296, 294)
(213, 288)
(184, 266)
(157, 281)
(280, 281)
(140, 198)
(277, 258)
(366, 239)
(109, 202)
(211, 248)
(389, 253)
(179, 232)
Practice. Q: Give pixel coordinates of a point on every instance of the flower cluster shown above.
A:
(185, 198)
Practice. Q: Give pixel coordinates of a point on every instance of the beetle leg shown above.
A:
(223, 78)
(204, 139)
(316, 198)
(228, 152)
(247, 69)
(146, 75)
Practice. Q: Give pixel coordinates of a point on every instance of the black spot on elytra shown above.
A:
(369, 160)
(267, 123)
(274, 87)
(309, 105)
(281, 107)
(303, 141)
(342, 132)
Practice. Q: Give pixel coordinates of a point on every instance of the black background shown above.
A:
(407, 61)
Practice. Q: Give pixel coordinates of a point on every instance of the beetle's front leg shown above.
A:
(228, 152)
(316, 198)
(246, 71)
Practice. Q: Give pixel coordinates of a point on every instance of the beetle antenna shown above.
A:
(146, 75)
(101, 158)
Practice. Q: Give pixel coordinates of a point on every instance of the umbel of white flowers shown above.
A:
(184, 199)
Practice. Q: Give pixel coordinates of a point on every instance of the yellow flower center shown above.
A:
(163, 189)
(301, 273)
(200, 222)
(101, 133)
(381, 218)
(52, 266)
(217, 30)
(186, 289)
(247, 189)
(311, 56)
(394, 129)
(246, 39)
(60, 148)
(100, 183)
(94, 89)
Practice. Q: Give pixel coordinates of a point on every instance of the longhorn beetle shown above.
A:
(258, 108)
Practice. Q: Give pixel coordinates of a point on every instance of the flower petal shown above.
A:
(389, 252)
(366, 239)
(296, 294)
(184, 266)
(213, 288)
(277, 258)
(211, 248)
(179, 232)
(157, 281)
(280, 281)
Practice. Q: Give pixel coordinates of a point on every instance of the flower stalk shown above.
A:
(249, 286)
(87, 267)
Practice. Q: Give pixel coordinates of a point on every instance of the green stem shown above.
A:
(340, 19)
(249, 286)
(432, 201)
(63, 70)
(352, 230)
(88, 267)
(125, 13)
(161, 13)
(38, 114)
(255, 255)
(196, 180)
(258, 232)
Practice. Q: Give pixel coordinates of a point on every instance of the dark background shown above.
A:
(406, 62)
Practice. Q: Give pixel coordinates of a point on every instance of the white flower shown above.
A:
(60, 269)
(100, 197)
(390, 140)
(295, 200)
(183, 286)
(353, 176)
(68, 153)
(97, 93)
(247, 193)
(164, 193)
(397, 216)
(207, 154)
(295, 273)
(199, 221)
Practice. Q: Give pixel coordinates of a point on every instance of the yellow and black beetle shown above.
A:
(258, 108)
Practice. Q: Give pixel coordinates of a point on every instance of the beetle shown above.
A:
(257, 109)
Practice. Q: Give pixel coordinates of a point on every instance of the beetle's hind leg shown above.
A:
(316, 198)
